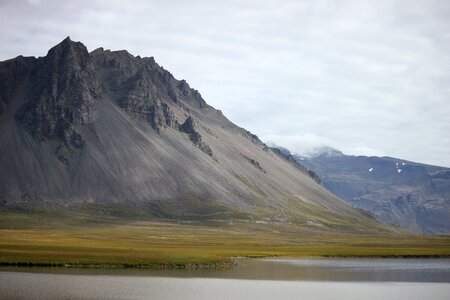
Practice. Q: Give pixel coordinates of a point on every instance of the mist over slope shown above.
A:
(111, 129)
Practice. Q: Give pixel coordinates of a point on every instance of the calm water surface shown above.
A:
(254, 279)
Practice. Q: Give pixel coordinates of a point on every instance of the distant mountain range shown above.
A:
(410, 195)
(110, 131)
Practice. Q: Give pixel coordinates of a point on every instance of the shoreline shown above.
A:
(195, 266)
(156, 266)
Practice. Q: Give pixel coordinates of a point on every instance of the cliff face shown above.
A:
(110, 128)
(62, 96)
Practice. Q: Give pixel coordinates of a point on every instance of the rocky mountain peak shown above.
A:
(61, 92)
(64, 87)
(67, 53)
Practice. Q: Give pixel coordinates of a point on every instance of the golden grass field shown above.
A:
(157, 244)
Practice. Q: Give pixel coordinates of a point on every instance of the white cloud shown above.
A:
(300, 144)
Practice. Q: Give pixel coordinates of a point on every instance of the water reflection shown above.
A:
(393, 270)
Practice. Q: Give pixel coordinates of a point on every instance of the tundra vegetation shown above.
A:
(83, 240)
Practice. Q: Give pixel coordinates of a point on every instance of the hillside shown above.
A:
(410, 195)
(114, 133)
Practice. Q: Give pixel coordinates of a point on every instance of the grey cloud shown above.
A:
(367, 77)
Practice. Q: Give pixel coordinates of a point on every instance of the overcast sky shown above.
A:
(365, 77)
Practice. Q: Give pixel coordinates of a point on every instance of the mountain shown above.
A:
(109, 131)
(410, 195)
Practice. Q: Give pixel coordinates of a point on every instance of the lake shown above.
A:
(254, 279)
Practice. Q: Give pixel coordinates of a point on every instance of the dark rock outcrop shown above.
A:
(190, 127)
(64, 86)
(255, 163)
(13, 72)
(143, 101)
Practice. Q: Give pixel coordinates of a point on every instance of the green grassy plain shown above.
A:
(80, 240)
